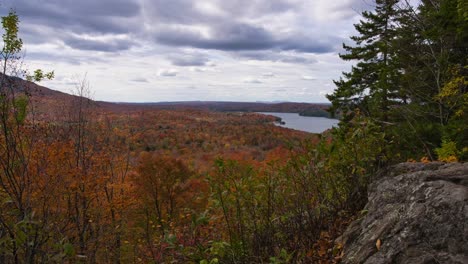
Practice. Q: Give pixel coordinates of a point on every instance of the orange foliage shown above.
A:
(117, 185)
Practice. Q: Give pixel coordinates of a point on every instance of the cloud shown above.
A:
(98, 44)
(324, 92)
(225, 36)
(72, 81)
(286, 57)
(308, 78)
(167, 72)
(198, 69)
(252, 80)
(139, 79)
(45, 56)
(240, 37)
(240, 25)
(234, 26)
(84, 16)
(214, 40)
(188, 60)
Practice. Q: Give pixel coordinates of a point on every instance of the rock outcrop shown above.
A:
(416, 213)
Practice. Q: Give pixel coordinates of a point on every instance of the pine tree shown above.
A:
(372, 84)
(432, 41)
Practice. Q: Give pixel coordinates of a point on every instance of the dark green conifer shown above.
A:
(372, 83)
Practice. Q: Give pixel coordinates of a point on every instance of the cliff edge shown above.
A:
(416, 213)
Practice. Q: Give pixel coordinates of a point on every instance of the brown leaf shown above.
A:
(378, 244)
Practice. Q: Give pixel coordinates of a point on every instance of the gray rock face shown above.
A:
(419, 214)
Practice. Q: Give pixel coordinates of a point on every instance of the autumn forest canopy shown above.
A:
(94, 182)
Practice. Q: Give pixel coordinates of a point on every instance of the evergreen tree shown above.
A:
(410, 76)
(433, 48)
(433, 41)
(371, 85)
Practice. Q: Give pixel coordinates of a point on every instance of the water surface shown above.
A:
(309, 124)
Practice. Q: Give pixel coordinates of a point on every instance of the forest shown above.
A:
(283, 107)
(93, 182)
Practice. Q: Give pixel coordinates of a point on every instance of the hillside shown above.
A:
(46, 98)
(283, 107)
(196, 132)
(133, 166)
(20, 85)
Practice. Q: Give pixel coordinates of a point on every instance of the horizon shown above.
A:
(169, 51)
(219, 101)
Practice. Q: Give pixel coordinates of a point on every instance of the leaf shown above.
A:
(68, 249)
(322, 251)
(378, 244)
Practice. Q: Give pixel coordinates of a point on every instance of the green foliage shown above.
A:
(358, 149)
(12, 44)
(371, 84)
(266, 209)
(217, 251)
(68, 250)
(317, 112)
(454, 96)
(39, 75)
(212, 261)
(456, 131)
(282, 258)
(20, 105)
(234, 191)
(448, 152)
(409, 76)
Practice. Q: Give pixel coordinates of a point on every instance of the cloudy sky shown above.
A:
(178, 50)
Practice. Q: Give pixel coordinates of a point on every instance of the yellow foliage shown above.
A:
(451, 158)
(448, 152)
(425, 160)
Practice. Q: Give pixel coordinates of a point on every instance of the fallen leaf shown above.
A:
(378, 244)
(322, 252)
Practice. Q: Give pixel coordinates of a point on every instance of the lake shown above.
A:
(304, 123)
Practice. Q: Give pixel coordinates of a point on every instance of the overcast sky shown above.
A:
(179, 50)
